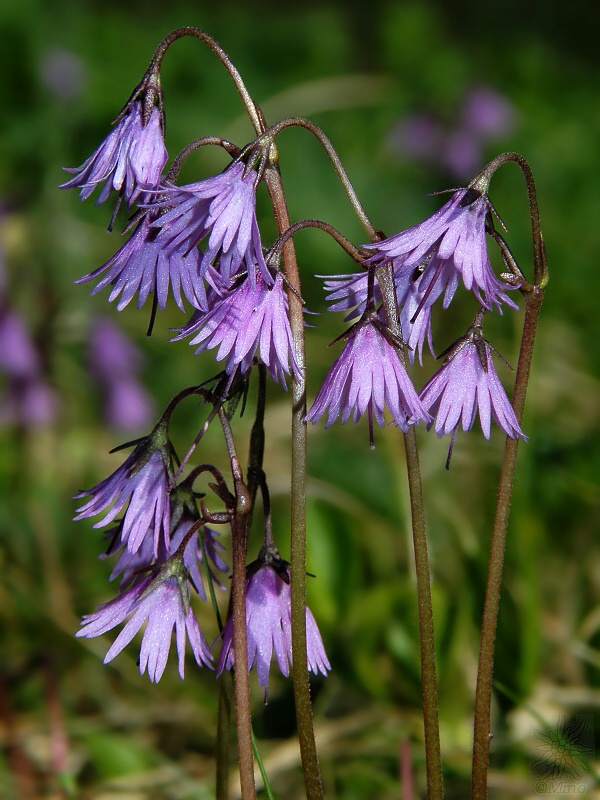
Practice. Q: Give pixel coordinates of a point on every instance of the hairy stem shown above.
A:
(300, 122)
(215, 47)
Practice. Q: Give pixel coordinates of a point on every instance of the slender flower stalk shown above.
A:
(239, 538)
(433, 757)
(304, 719)
(534, 295)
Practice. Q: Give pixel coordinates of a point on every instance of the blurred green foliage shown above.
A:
(72, 727)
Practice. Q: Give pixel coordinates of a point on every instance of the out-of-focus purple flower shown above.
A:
(18, 356)
(487, 114)
(127, 405)
(222, 208)
(467, 383)
(63, 73)
(268, 623)
(141, 483)
(111, 352)
(144, 265)
(114, 361)
(368, 376)
(28, 400)
(130, 160)
(451, 242)
(251, 319)
(162, 602)
(418, 135)
(461, 152)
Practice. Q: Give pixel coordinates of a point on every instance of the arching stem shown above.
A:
(533, 301)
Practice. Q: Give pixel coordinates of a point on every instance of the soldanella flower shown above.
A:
(129, 161)
(467, 384)
(451, 243)
(349, 293)
(268, 622)
(143, 266)
(184, 516)
(248, 320)
(221, 209)
(162, 602)
(140, 483)
(368, 377)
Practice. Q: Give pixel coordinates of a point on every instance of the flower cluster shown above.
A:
(200, 244)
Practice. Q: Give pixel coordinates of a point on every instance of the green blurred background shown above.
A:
(70, 726)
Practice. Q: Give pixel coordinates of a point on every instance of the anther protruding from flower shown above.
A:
(450, 243)
(143, 265)
(130, 160)
(222, 208)
(162, 602)
(250, 319)
(268, 622)
(141, 483)
(467, 383)
(368, 376)
(349, 293)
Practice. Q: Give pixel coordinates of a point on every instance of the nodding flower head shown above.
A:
(467, 384)
(221, 209)
(143, 266)
(450, 243)
(129, 161)
(368, 376)
(269, 624)
(250, 319)
(141, 483)
(160, 600)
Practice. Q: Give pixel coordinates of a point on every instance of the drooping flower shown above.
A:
(467, 384)
(368, 376)
(451, 243)
(144, 265)
(141, 483)
(130, 160)
(268, 622)
(222, 208)
(184, 514)
(349, 293)
(250, 319)
(162, 602)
